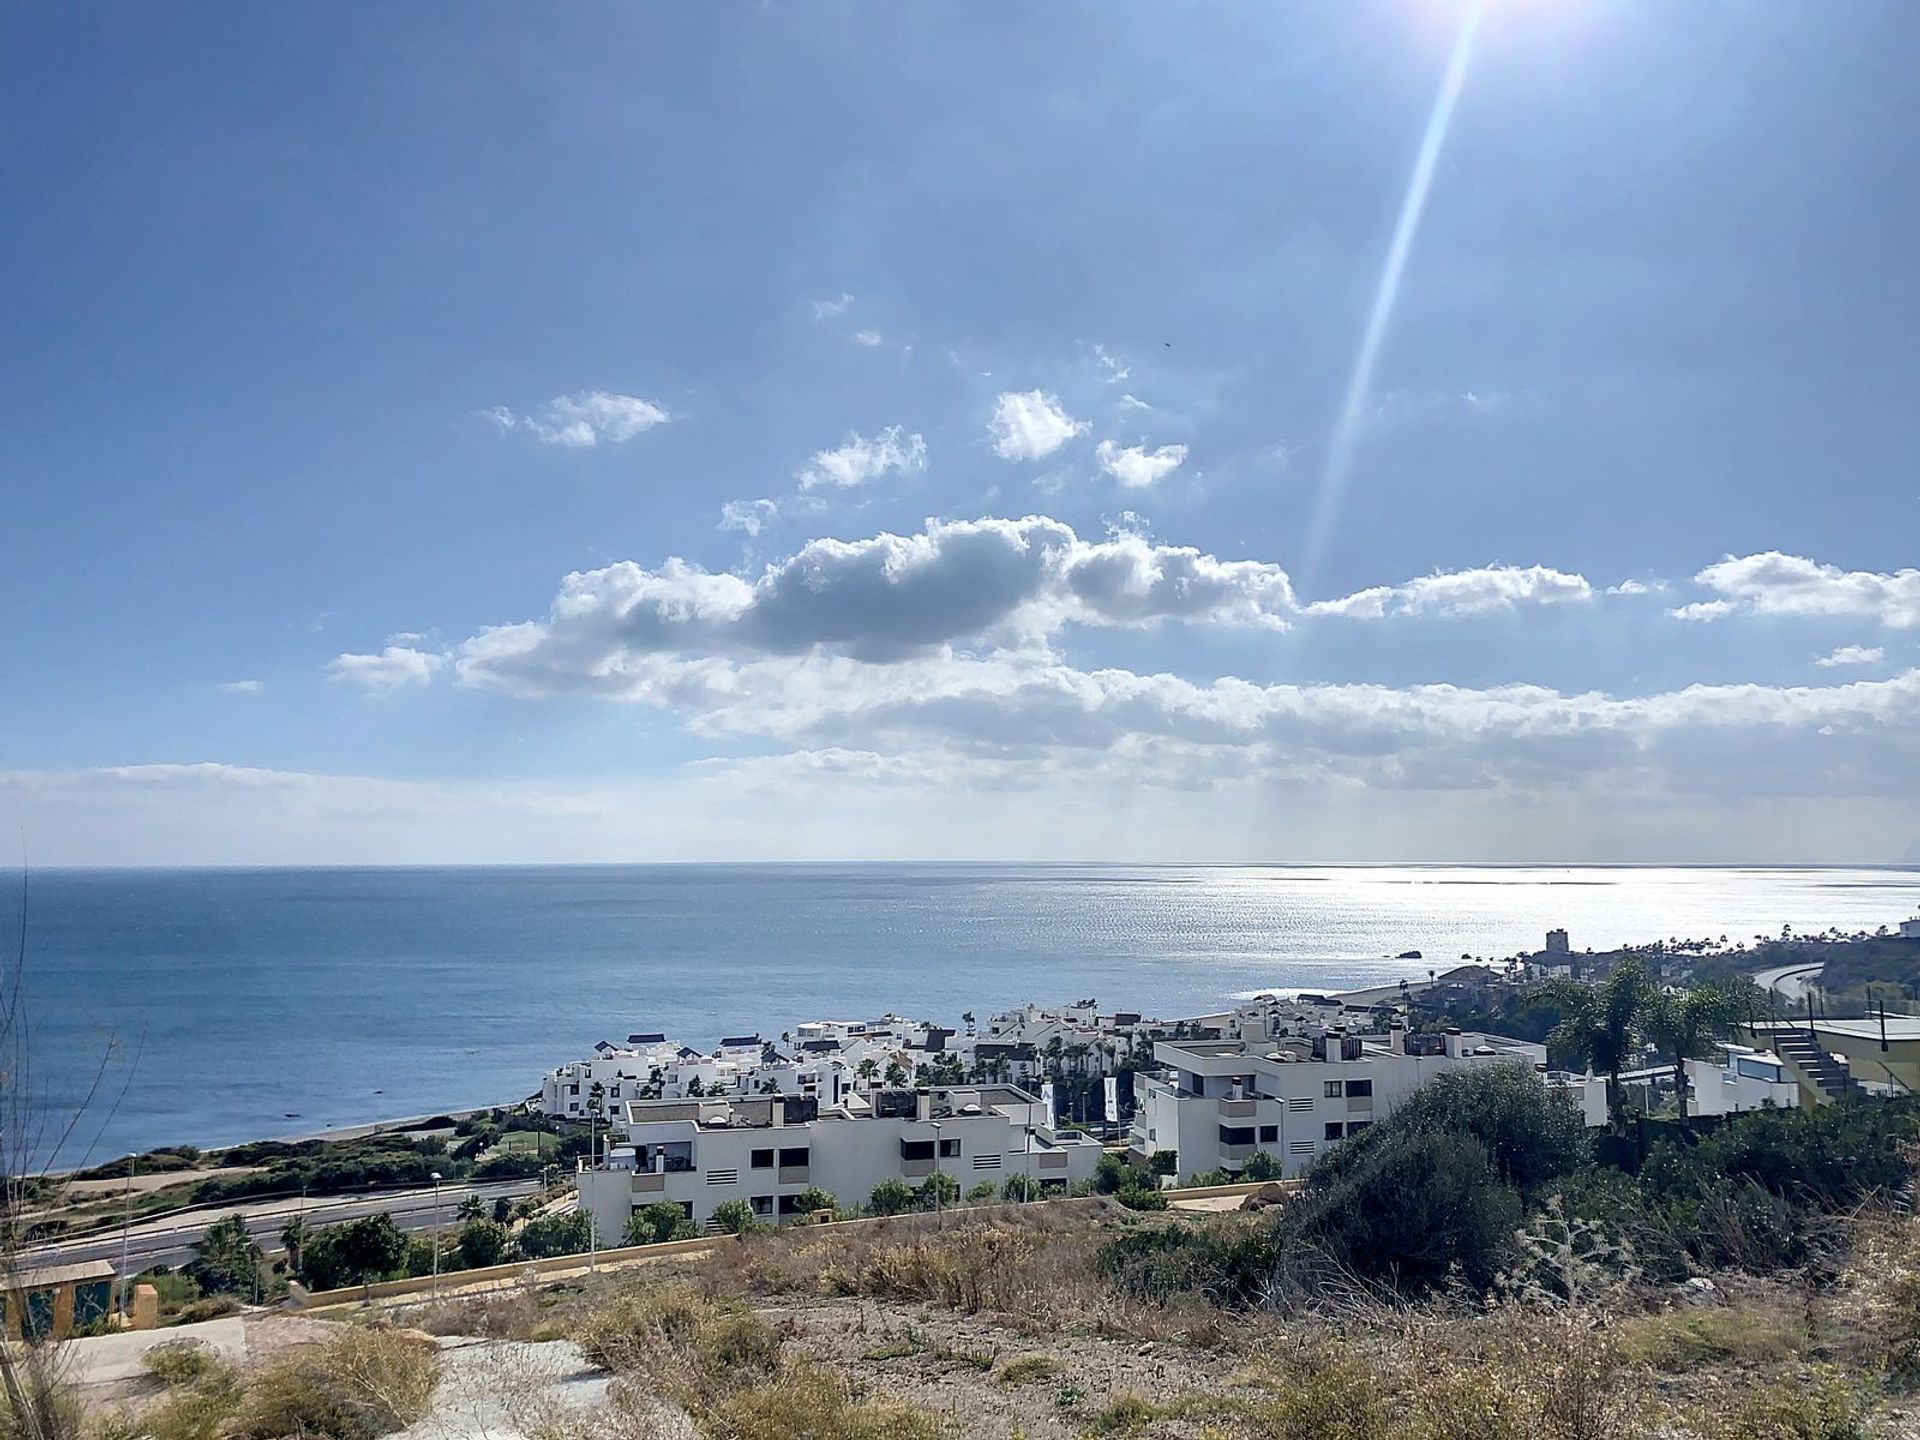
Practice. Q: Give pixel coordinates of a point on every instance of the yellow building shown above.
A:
(52, 1301)
(1830, 1058)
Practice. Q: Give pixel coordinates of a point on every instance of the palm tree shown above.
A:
(896, 1076)
(867, 1069)
(1683, 1027)
(1600, 1025)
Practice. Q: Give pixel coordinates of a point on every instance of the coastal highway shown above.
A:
(168, 1239)
(1790, 980)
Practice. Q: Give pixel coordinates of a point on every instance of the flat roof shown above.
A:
(1898, 1027)
(40, 1277)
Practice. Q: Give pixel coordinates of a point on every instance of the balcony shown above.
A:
(649, 1183)
(1237, 1109)
(916, 1169)
(792, 1175)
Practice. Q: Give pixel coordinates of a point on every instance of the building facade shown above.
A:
(1219, 1103)
(771, 1151)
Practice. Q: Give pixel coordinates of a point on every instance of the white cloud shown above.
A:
(243, 687)
(1631, 588)
(1773, 583)
(1852, 655)
(394, 668)
(860, 460)
(872, 339)
(1136, 467)
(581, 421)
(1030, 425)
(1462, 592)
(1117, 370)
(831, 309)
(1132, 402)
(751, 516)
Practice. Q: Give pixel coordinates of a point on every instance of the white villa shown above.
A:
(1220, 1102)
(771, 1150)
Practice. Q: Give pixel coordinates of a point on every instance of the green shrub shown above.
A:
(658, 1223)
(179, 1362)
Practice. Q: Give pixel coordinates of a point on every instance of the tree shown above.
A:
(357, 1252)
(896, 1075)
(556, 1235)
(658, 1223)
(226, 1259)
(1164, 1162)
(813, 1199)
(866, 1070)
(293, 1237)
(1019, 1189)
(1600, 1026)
(736, 1217)
(936, 1190)
(891, 1197)
(472, 1208)
(483, 1242)
(1683, 1027)
(502, 1209)
(1262, 1165)
(983, 1191)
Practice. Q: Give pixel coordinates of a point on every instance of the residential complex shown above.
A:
(771, 1151)
(1220, 1102)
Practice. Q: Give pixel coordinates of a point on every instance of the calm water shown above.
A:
(249, 1003)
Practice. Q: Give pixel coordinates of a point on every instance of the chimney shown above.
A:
(1397, 1036)
(923, 1103)
(1454, 1045)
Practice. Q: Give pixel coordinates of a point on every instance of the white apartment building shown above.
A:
(769, 1151)
(1746, 1079)
(663, 1070)
(1220, 1102)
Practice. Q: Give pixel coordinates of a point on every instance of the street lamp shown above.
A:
(938, 1199)
(436, 1234)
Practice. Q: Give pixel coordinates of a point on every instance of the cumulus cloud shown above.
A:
(1773, 583)
(583, 420)
(860, 459)
(1030, 425)
(1462, 592)
(1852, 655)
(243, 687)
(1136, 467)
(394, 668)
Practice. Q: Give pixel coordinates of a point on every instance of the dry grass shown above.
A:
(514, 1314)
(364, 1383)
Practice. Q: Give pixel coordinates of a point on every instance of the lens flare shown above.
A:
(1347, 427)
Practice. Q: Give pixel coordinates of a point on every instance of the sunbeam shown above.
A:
(1346, 429)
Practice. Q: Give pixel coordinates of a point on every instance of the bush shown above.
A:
(736, 1217)
(658, 1223)
(891, 1197)
(1228, 1267)
(1407, 1212)
(549, 1235)
(366, 1383)
(1136, 1197)
(1019, 1189)
(179, 1362)
(482, 1243)
(357, 1252)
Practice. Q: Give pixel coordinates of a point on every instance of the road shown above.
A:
(169, 1239)
(1790, 980)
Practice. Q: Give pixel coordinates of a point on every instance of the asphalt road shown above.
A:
(1790, 980)
(169, 1239)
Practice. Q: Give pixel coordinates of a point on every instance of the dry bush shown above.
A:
(1881, 1302)
(810, 1402)
(364, 1383)
(684, 1346)
(179, 1362)
(37, 1398)
(1822, 1404)
(504, 1315)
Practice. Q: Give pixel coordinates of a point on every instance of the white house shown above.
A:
(1746, 1079)
(1220, 1102)
(769, 1150)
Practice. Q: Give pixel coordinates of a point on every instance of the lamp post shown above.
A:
(939, 1200)
(436, 1234)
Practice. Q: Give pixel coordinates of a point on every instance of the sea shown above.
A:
(212, 1006)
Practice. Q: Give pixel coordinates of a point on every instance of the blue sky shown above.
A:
(933, 404)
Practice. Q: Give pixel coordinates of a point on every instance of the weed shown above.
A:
(1029, 1370)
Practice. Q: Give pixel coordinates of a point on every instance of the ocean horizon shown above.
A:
(235, 1003)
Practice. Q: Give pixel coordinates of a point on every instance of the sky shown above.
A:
(1377, 430)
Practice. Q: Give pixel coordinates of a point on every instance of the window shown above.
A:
(1236, 1134)
(793, 1157)
(1335, 1129)
(1354, 1127)
(1332, 1090)
(763, 1159)
(1197, 1084)
(1359, 1087)
(761, 1204)
(949, 1149)
(1269, 1134)
(916, 1149)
